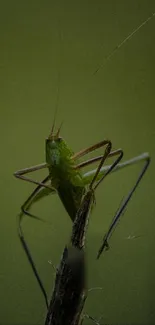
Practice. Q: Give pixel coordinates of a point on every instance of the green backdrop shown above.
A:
(40, 40)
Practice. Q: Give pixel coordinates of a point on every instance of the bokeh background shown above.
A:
(40, 40)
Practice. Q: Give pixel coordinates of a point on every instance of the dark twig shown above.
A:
(70, 290)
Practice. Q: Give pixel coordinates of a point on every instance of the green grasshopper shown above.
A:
(65, 177)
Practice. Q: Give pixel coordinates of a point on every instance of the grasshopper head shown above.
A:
(53, 147)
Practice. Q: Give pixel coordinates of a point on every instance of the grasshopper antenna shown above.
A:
(58, 91)
(59, 129)
(124, 41)
(56, 106)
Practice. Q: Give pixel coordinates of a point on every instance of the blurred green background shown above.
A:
(117, 103)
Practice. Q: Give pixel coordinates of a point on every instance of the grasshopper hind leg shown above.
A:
(121, 209)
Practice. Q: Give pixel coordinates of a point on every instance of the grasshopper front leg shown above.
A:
(19, 174)
(24, 211)
(41, 190)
